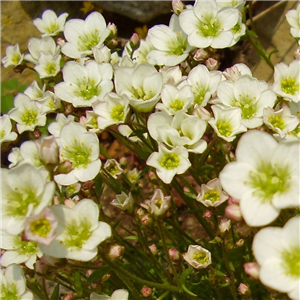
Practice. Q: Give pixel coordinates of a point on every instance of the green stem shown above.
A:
(164, 286)
(130, 286)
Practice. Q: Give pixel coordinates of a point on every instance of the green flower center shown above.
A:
(199, 92)
(71, 189)
(87, 89)
(50, 68)
(269, 180)
(112, 169)
(277, 122)
(201, 257)
(224, 128)
(15, 58)
(78, 154)
(247, 105)
(40, 227)
(296, 131)
(210, 27)
(2, 133)
(29, 117)
(213, 196)
(26, 247)
(117, 113)
(9, 292)
(88, 41)
(170, 161)
(291, 261)
(236, 28)
(177, 104)
(141, 94)
(52, 28)
(77, 233)
(178, 46)
(289, 86)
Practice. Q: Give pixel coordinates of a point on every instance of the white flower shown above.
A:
(282, 121)
(48, 65)
(13, 56)
(78, 233)
(112, 167)
(48, 103)
(84, 85)
(142, 85)
(6, 135)
(50, 24)
(13, 284)
(287, 80)
(18, 251)
(211, 194)
(25, 192)
(181, 130)
(168, 163)
(264, 177)
(140, 54)
(277, 250)
(203, 83)
(206, 25)
(83, 35)
(250, 95)
(116, 295)
(159, 204)
(37, 46)
(236, 71)
(227, 122)
(61, 120)
(26, 114)
(175, 99)
(197, 257)
(34, 92)
(170, 44)
(293, 18)
(103, 54)
(81, 148)
(124, 201)
(113, 110)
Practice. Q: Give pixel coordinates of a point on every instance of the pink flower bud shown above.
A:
(252, 269)
(60, 42)
(207, 214)
(174, 254)
(68, 297)
(48, 150)
(224, 225)
(146, 291)
(243, 289)
(153, 249)
(65, 167)
(89, 272)
(233, 212)
(297, 53)
(116, 251)
(147, 220)
(177, 7)
(200, 55)
(212, 64)
(113, 30)
(232, 200)
(134, 40)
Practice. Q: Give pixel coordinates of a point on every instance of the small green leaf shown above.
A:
(10, 84)
(7, 103)
(55, 293)
(131, 237)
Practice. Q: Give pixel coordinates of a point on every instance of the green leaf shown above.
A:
(10, 84)
(97, 274)
(7, 103)
(190, 195)
(131, 237)
(55, 293)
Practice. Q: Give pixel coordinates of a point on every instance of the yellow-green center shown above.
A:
(277, 122)
(289, 86)
(213, 196)
(40, 227)
(224, 128)
(29, 117)
(170, 161)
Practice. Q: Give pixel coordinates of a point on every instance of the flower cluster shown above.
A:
(161, 133)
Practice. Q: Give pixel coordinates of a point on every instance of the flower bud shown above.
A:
(224, 225)
(60, 42)
(207, 214)
(147, 220)
(134, 41)
(153, 249)
(240, 243)
(124, 202)
(233, 212)
(113, 30)
(200, 55)
(146, 291)
(212, 64)
(159, 204)
(297, 53)
(64, 168)
(174, 254)
(116, 251)
(177, 7)
(243, 289)
(69, 297)
(252, 269)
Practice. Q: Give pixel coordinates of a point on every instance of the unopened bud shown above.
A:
(116, 251)
(200, 55)
(146, 291)
(177, 7)
(69, 297)
(224, 225)
(65, 167)
(113, 30)
(297, 53)
(147, 220)
(240, 243)
(233, 212)
(212, 64)
(252, 269)
(60, 42)
(153, 249)
(174, 254)
(207, 214)
(243, 289)
(134, 41)
(48, 150)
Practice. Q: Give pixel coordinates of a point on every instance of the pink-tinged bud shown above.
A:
(48, 150)
(232, 200)
(212, 64)
(297, 53)
(89, 272)
(240, 243)
(243, 289)
(224, 225)
(140, 212)
(177, 7)
(56, 200)
(174, 254)
(116, 251)
(200, 55)
(146, 291)
(87, 185)
(64, 168)
(68, 297)
(207, 214)
(113, 30)
(70, 203)
(147, 220)
(252, 269)
(243, 229)
(233, 212)
(83, 121)
(153, 249)
(60, 42)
